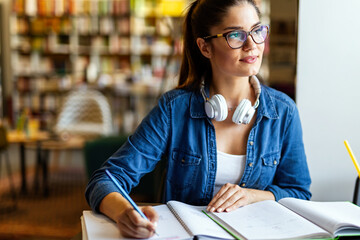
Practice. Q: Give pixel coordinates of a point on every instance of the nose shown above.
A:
(249, 44)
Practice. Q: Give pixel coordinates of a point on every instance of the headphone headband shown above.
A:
(255, 84)
(216, 107)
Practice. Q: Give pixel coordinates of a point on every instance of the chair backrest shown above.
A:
(356, 199)
(97, 151)
(85, 112)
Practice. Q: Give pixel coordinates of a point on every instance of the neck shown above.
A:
(234, 90)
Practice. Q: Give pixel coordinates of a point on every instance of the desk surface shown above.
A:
(79, 237)
(74, 142)
(15, 136)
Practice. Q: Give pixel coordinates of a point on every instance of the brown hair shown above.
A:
(201, 16)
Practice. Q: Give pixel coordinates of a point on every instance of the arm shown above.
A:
(138, 156)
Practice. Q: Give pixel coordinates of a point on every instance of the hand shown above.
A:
(230, 197)
(131, 224)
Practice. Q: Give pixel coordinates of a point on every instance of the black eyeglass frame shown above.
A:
(225, 35)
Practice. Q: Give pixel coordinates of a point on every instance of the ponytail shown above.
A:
(193, 61)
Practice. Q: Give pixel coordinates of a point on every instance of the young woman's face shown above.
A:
(241, 62)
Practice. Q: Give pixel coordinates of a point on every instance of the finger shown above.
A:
(151, 214)
(231, 200)
(153, 217)
(239, 203)
(125, 230)
(141, 222)
(139, 232)
(222, 190)
(126, 224)
(230, 191)
(138, 226)
(137, 219)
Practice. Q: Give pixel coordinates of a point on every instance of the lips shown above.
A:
(249, 59)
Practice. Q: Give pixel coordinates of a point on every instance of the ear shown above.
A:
(204, 47)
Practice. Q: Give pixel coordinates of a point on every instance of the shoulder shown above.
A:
(279, 99)
(176, 96)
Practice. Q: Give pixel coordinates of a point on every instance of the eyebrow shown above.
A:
(239, 27)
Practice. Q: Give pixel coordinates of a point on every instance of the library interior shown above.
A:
(76, 79)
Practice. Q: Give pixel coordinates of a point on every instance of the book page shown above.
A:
(83, 229)
(100, 227)
(269, 220)
(197, 223)
(328, 215)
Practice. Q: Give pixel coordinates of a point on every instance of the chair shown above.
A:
(85, 115)
(4, 153)
(151, 186)
(97, 151)
(85, 112)
(356, 199)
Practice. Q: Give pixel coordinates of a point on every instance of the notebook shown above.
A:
(289, 218)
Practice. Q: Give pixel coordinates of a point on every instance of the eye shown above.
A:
(258, 30)
(233, 35)
(238, 35)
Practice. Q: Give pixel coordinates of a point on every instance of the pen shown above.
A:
(352, 156)
(125, 195)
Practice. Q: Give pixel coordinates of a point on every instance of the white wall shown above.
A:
(327, 93)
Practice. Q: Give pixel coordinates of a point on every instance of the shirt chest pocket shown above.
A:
(269, 165)
(185, 166)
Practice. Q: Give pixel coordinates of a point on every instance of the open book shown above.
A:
(289, 218)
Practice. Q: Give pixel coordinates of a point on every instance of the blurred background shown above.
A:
(77, 77)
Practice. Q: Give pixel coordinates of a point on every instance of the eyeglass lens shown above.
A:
(237, 38)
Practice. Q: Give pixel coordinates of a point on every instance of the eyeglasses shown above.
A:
(237, 38)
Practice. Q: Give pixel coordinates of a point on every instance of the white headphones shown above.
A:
(216, 107)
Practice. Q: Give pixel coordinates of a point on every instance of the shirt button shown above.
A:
(243, 184)
(183, 160)
(250, 164)
(275, 162)
(251, 143)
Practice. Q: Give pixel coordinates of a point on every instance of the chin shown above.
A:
(249, 71)
(252, 72)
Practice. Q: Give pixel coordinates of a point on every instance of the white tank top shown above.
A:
(230, 169)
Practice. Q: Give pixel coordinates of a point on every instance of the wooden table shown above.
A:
(43, 144)
(57, 145)
(16, 137)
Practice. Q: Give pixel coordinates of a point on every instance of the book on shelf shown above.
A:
(73, 7)
(289, 218)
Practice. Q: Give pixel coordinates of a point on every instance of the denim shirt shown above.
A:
(178, 131)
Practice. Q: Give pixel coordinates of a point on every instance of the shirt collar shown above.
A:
(267, 107)
(197, 105)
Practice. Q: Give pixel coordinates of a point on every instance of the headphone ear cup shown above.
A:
(218, 109)
(241, 114)
(250, 113)
(209, 109)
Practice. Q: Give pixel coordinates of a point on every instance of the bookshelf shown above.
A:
(126, 49)
(283, 45)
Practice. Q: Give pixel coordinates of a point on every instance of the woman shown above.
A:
(221, 150)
